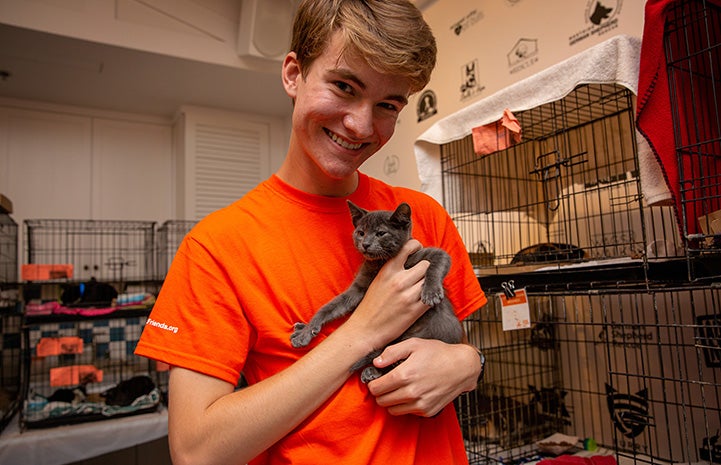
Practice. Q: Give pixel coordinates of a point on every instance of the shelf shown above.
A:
(31, 320)
(601, 274)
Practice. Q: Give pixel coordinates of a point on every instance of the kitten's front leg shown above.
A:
(440, 262)
(302, 335)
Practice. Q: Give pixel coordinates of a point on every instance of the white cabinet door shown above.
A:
(132, 170)
(222, 155)
(48, 164)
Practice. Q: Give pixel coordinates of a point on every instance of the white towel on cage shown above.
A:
(615, 60)
(653, 183)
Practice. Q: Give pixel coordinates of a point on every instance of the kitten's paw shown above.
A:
(302, 335)
(432, 296)
(299, 325)
(369, 374)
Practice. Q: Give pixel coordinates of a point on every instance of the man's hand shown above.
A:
(392, 302)
(431, 374)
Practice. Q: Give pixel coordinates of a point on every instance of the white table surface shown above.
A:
(66, 444)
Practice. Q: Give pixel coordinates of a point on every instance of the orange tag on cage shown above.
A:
(48, 346)
(516, 314)
(45, 272)
(75, 374)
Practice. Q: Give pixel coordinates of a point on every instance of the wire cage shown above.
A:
(10, 384)
(692, 39)
(570, 191)
(169, 236)
(108, 250)
(633, 371)
(8, 249)
(86, 370)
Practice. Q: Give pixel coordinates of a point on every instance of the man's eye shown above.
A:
(389, 106)
(345, 87)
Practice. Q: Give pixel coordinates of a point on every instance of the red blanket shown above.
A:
(697, 189)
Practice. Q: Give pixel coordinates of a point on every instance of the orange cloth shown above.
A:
(498, 135)
(59, 345)
(245, 274)
(75, 374)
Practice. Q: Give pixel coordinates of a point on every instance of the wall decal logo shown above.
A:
(629, 412)
(391, 165)
(543, 333)
(522, 55)
(427, 105)
(708, 337)
(470, 85)
(710, 450)
(601, 16)
(466, 22)
(626, 336)
(552, 405)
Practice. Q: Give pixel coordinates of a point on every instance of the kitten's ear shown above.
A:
(356, 212)
(402, 215)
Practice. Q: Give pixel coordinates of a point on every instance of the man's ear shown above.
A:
(291, 73)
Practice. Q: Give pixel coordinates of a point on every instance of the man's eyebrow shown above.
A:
(350, 76)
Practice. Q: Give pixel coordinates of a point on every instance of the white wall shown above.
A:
(488, 34)
(95, 165)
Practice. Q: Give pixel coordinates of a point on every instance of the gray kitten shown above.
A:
(379, 235)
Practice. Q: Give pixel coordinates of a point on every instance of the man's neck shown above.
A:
(316, 183)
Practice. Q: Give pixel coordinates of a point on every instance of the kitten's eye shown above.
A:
(381, 233)
(361, 233)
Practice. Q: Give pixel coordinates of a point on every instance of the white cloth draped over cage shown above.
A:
(615, 61)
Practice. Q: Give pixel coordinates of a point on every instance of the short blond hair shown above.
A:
(390, 35)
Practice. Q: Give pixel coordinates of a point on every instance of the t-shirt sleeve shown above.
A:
(461, 283)
(196, 322)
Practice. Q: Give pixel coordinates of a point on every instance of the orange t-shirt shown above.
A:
(245, 274)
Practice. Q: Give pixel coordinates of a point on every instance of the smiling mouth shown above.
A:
(346, 145)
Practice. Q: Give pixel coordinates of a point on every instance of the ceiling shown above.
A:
(57, 69)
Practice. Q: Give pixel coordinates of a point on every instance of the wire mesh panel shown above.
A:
(10, 396)
(85, 370)
(693, 50)
(170, 234)
(634, 369)
(104, 249)
(569, 191)
(8, 249)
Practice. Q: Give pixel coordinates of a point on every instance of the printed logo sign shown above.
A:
(470, 85)
(466, 22)
(427, 105)
(523, 55)
(391, 165)
(629, 412)
(601, 16)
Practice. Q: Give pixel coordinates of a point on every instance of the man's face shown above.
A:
(344, 110)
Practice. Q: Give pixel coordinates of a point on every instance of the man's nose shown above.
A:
(359, 121)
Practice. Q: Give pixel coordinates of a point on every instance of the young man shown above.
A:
(248, 272)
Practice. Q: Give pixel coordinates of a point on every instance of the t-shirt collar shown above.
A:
(320, 202)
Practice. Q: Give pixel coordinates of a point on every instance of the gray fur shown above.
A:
(380, 235)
